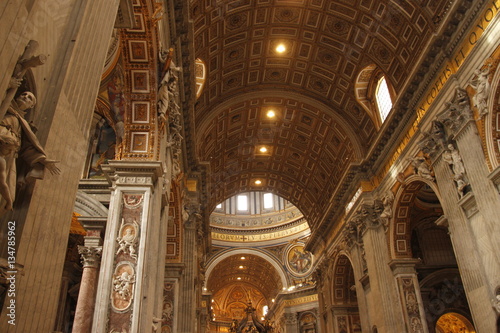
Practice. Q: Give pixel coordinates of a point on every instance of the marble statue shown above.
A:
(17, 140)
(167, 91)
(386, 213)
(453, 158)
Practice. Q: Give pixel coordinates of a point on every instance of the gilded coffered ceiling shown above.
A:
(320, 127)
(247, 270)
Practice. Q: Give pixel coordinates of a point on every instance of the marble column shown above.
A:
(409, 292)
(127, 280)
(88, 285)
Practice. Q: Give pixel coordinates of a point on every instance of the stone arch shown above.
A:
(278, 266)
(343, 274)
(308, 322)
(491, 131)
(400, 226)
(443, 293)
(344, 298)
(86, 205)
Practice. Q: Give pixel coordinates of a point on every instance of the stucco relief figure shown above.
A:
(17, 140)
(416, 325)
(422, 168)
(127, 240)
(123, 287)
(481, 84)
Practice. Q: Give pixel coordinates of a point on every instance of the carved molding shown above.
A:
(457, 113)
(91, 256)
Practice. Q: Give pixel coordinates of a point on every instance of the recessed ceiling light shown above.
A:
(242, 258)
(280, 48)
(258, 182)
(263, 149)
(270, 114)
(238, 278)
(241, 267)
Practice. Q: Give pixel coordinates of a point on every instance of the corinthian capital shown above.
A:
(91, 255)
(458, 112)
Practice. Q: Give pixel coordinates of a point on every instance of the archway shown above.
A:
(345, 303)
(419, 232)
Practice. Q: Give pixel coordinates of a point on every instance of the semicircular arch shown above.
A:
(275, 263)
(400, 225)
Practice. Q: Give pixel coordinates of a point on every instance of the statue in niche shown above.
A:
(17, 136)
(127, 239)
(481, 84)
(453, 158)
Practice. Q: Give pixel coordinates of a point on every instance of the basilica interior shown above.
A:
(271, 166)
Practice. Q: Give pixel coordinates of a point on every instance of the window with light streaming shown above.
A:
(242, 202)
(383, 97)
(268, 200)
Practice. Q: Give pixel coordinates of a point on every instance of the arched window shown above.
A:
(383, 97)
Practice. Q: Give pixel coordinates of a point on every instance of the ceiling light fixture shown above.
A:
(263, 149)
(258, 182)
(238, 278)
(241, 267)
(271, 114)
(242, 258)
(280, 48)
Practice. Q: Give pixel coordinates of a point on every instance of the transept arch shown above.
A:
(212, 263)
(400, 227)
(490, 123)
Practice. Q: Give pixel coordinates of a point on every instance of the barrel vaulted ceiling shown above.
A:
(320, 128)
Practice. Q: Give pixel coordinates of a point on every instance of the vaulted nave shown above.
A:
(271, 166)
